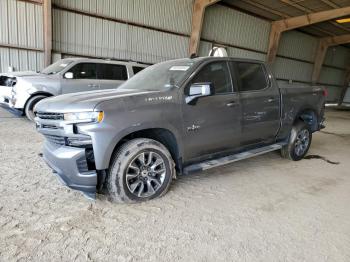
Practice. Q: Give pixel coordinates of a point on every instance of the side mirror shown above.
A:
(69, 75)
(199, 90)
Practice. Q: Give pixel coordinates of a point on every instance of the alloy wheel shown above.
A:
(145, 174)
(302, 142)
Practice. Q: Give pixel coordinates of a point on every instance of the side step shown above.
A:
(231, 158)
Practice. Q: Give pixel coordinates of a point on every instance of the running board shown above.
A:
(231, 158)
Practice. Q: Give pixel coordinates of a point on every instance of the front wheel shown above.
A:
(299, 142)
(142, 169)
(29, 108)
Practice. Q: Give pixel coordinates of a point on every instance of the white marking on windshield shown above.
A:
(179, 68)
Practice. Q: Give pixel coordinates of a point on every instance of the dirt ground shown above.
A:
(261, 209)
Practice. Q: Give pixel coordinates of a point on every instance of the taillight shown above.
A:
(325, 92)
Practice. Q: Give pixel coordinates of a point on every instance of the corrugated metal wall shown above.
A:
(172, 15)
(21, 26)
(90, 36)
(229, 26)
(93, 36)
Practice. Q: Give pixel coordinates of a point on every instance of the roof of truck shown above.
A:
(96, 60)
(215, 58)
(133, 63)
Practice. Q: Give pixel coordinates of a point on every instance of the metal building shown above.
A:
(310, 47)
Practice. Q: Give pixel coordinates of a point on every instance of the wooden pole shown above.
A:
(323, 46)
(320, 56)
(199, 7)
(47, 6)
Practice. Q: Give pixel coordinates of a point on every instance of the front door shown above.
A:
(260, 102)
(212, 124)
(84, 78)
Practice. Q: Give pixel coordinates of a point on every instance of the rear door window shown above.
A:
(84, 71)
(252, 76)
(112, 72)
(137, 69)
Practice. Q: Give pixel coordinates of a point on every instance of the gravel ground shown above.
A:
(261, 209)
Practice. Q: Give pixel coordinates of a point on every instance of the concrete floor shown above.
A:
(261, 209)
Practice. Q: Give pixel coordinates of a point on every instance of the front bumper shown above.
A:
(70, 165)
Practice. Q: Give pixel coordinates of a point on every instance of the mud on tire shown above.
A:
(137, 168)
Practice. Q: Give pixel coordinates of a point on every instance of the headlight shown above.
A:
(84, 117)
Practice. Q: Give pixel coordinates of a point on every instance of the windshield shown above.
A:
(159, 77)
(57, 67)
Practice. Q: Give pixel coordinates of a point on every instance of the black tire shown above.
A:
(292, 151)
(118, 184)
(28, 110)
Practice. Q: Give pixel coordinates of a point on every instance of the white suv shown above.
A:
(22, 90)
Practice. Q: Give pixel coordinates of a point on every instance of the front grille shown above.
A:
(50, 116)
(7, 81)
(57, 140)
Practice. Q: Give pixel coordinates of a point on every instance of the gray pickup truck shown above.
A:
(175, 117)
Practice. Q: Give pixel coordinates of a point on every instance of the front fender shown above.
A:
(105, 138)
(24, 90)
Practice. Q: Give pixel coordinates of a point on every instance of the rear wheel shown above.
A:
(29, 108)
(299, 142)
(142, 169)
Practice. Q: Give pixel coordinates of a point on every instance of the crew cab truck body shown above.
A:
(172, 118)
(22, 90)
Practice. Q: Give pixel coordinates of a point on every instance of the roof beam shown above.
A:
(281, 14)
(199, 7)
(47, 6)
(278, 27)
(323, 46)
(308, 10)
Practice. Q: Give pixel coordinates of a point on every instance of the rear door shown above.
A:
(212, 124)
(111, 76)
(260, 102)
(84, 79)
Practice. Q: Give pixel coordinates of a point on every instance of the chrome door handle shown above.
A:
(270, 100)
(92, 85)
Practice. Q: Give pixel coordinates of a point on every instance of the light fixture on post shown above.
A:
(343, 20)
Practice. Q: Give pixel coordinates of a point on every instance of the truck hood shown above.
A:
(21, 74)
(26, 79)
(84, 101)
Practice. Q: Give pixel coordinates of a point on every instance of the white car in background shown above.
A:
(23, 90)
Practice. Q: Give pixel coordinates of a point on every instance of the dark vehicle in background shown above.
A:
(22, 90)
(175, 117)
